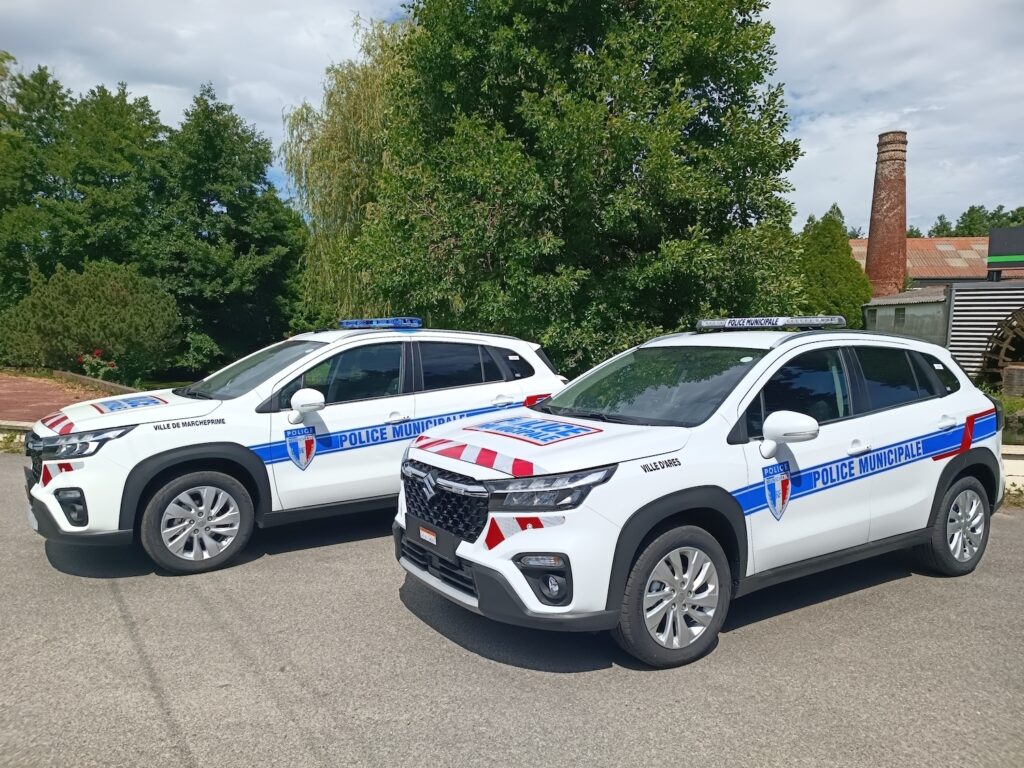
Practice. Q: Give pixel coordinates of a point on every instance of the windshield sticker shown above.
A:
(534, 431)
(188, 423)
(301, 445)
(128, 403)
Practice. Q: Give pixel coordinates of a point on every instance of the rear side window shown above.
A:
(889, 376)
(813, 384)
(515, 362)
(949, 380)
(456, 365)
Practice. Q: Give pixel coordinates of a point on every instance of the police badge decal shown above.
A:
(778, 487)
(301, 445)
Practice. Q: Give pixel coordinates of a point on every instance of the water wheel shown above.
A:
(1005, 346)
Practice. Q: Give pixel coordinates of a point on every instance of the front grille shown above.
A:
(458, 574)
(34, 450)
(463, 516)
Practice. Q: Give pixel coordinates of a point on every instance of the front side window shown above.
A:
(448, 365)
(889, 377)
(679, 386)
(813, 384)
(243, 376)
(363, 373)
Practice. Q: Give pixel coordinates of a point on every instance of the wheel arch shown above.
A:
(709, 507)
(979, 463)
(153, 472)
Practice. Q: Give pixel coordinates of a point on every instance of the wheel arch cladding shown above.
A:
(709, 507)
(230, 458)
(979, 463)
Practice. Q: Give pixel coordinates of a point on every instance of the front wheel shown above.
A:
(197, 522)
(676, 599)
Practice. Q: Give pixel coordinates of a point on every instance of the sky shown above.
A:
(949, 72)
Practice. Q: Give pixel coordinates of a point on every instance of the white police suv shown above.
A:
(310, 427)
(699, 467)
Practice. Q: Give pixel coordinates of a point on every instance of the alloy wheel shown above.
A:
(965, 525)
(681, 597)
(200, 523)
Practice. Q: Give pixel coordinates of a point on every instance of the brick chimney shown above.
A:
(886, 261)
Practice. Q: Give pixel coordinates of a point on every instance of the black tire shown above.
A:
(632, 633)
(937, 554)
(150, 533)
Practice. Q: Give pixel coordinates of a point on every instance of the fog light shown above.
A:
(72, 502)
(542, 561)
(552, 586)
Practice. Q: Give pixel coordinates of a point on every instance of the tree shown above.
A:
(941, 228)
(106, 307)
(836, 285)
(854, 233)
(334, 153)
(914, 231)
(587, 175)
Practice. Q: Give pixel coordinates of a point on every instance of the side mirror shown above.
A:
(786, 427)
(305, 401)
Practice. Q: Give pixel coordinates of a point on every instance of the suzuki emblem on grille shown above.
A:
(430, 484)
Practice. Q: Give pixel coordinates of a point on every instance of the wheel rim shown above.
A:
(681, 597)
(965, 525)
(200, 523)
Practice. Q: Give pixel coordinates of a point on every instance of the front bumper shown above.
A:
(495, 597)
(41, 520)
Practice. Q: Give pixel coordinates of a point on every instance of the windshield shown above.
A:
(241, 377)
(667, 386)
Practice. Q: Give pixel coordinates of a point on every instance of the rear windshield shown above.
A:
(243, 376)
(671, 386)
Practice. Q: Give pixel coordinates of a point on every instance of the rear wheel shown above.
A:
(677, 596)
(960, 532)
(197, 522)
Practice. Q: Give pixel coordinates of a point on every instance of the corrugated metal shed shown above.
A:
(977, 308)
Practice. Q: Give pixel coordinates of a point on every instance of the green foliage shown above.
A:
(836, 285)
(99, 177)
(108, 311)
(854, 233)
(586, 175)
(913, 231)
(976, 221)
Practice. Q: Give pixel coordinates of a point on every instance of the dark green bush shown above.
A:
(107, 307)
(835, 283)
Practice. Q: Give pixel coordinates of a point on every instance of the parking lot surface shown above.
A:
(315, 650)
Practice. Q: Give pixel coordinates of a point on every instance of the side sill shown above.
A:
(813, 565)
(302, 514)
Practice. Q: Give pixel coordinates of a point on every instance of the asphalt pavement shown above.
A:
(315, 650)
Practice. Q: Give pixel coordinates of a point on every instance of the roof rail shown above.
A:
(774, 323)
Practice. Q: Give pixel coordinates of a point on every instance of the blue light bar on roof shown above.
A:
(394, 323)
(741, 323)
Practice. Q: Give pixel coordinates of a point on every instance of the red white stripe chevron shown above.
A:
(58, 422)
(53, 469)
(502, 528)
(483, 457)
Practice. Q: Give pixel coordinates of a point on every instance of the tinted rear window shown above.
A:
(456, 365)
(889, 376)
(519, 367)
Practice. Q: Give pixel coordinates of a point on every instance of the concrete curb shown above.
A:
(103, 386)
(16, 426)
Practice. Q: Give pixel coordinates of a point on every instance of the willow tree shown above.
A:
(334, 152)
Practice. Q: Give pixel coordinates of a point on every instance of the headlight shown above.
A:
(533, 494)
(81, 444)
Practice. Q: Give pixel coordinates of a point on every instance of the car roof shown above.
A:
(772, 339)
(331, 336)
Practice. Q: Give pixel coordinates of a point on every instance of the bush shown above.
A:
(107, 307)
(836, 285)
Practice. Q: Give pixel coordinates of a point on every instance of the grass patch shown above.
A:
(12, 442)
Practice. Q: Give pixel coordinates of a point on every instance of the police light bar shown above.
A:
(394, 323)
(747, 323)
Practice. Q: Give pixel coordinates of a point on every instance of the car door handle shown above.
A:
(946, 422)
(502, 400)
(397, 418)
(857, 448)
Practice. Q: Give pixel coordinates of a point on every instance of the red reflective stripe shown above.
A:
(486, 458)
(433, 444)
(54, 422)
(968, 436)
(521, 468)
(97, 407)
(452, 451)
(46, 476)
(155, 397)
(66, 428)
(65, 467)
(494, 535)
(534, 399)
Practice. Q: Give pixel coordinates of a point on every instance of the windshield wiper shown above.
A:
(582, 413)
(189, 392)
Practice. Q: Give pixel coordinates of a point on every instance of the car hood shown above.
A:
(122, 410)
(524, 442)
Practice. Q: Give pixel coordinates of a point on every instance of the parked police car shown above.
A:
(699, 467)
(309, 427)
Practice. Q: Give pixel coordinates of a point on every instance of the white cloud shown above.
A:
(948, 71)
